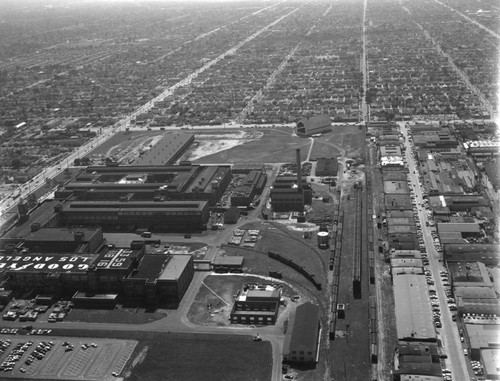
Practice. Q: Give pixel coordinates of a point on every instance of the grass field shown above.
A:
(203, 357)
(165, 356)
(120, 316)
(275, 146)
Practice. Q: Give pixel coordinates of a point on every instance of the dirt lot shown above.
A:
(274, 146)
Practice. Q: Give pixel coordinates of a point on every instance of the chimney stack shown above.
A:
(299, 170)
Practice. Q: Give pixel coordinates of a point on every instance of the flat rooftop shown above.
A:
(413, 308)
(174, 267)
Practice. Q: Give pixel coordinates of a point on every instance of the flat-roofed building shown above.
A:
(413, 308)
(65, 240)
(167, 150)
(148, 183)
(406, 262)
(401, 221)
(252, 184)
(256, 304)
(390, 150)
(398, 201)
(491, 360)
(477, 300)
(464, 227)
(397, 229)
(396, 187)
(55, 273)
(150, 215)
(326, 167)
(160, 279)
(406, 254)
(302, 337)
(469, 274)
(228, 263)
(488, 254)
(482, 336)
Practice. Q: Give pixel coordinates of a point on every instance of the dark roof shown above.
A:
(150, 267)
(304, 332)
(62, 234)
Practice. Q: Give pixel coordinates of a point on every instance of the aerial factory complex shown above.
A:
(266, 190)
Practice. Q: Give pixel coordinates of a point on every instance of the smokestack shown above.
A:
(299, 170)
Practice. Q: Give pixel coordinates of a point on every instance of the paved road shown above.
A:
(448, 333)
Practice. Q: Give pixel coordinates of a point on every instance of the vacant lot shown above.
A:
(346, 141)
(275, 146)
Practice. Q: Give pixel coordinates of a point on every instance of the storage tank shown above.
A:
(323, 238)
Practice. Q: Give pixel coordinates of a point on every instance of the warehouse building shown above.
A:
(482, 337)
(160, 280)
(166, 151)
(477, 300)
(489, 254)
(302, 338)
(252, 184)
(314, 125)
(256, 304)
(185, 216)
(65, 240)
(413, 309)
(148, 183)
(469, 274)
(326, 167)
(58, 274)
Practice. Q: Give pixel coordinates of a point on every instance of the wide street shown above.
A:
(448, 334)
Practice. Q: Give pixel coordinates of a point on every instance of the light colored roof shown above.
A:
(463, 227)
(413, 308)
(174, 267)
(483, 335)
(228, 261)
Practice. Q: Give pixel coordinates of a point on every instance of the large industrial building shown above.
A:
(291, 193)
(251, 185)
(166, 151)
(159, 198)
(413, 308)
(327, 167)
(137, 277)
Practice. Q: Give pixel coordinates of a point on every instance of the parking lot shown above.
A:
(68, 358)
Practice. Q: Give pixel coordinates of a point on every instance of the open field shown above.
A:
(97, 362)
(119, 316)
(348, 140)
(275, 146)
(187, 357)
